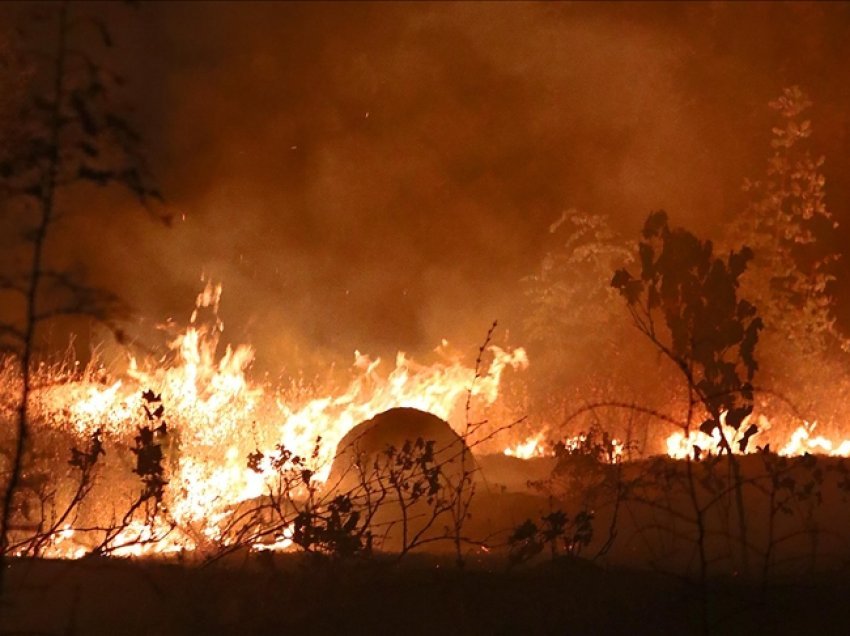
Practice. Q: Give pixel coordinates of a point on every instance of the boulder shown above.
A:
(370, 440)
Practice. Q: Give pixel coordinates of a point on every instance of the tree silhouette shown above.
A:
(69, 131)
(686, 302)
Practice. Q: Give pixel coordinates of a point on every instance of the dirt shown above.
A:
(293, 594)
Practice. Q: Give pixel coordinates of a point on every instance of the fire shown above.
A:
(217, 415)
(282, 542)
(612, 449)
(532, 446)
(680, 446)
(801, 441)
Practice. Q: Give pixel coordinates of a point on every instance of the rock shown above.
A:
(369, 441)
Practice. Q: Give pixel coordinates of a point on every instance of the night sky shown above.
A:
(380, 176)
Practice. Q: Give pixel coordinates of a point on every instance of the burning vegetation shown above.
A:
(208, 437)
(168, 456)
(674, 405)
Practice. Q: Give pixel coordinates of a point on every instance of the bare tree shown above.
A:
(71, 132)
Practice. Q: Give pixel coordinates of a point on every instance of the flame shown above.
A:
(613, 449)
(536, 446)
(532, 446)
(282, 542)
(680, 446)
(801, 441)
(216, 416)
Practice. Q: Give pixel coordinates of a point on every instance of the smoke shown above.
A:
(382, 176)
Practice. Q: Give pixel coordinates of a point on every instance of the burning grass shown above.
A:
(187, 459)
(208, 416)
(186, 453)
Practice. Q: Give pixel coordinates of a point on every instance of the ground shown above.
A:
(293, 594)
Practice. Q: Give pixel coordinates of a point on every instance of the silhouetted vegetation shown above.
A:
(69, 131)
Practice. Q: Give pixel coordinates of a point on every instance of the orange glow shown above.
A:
(219, 416)
(802, 440)
(532, 446)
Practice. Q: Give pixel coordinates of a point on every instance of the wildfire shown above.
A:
(216, 416)
(679, 446)
(801, 441)
(532, 446)
(535, 445)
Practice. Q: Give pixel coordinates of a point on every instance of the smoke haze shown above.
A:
(381, 176)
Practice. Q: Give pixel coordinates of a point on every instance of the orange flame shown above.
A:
(800, 442)
(218, 416)
(532, 446)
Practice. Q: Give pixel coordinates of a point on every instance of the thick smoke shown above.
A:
(383, 176)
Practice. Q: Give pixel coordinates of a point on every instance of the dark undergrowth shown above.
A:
(298, 594)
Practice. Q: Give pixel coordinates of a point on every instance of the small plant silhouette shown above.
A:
(563, 536)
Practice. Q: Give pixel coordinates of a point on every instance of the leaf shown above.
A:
(735, 416)
(647, 260)
(752, 429)
(95, 175)
(627, 286)
(656, 224)
(102, 29)
(523, 532)
(150, 396)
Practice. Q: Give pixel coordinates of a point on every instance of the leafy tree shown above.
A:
(556, 530)
(784, 224)
(685, 301)
(707, 331)
(788, 225)
(70, 132)
(573, 327)
(569, 292)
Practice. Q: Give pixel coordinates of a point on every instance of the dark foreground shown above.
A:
(294, 595)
